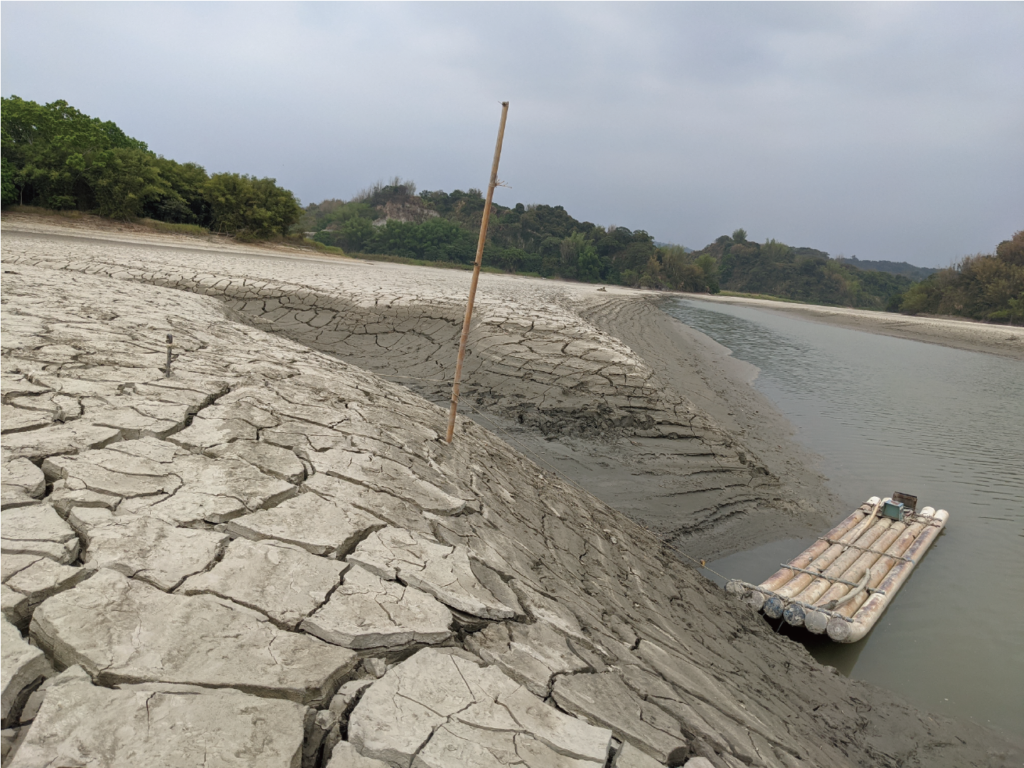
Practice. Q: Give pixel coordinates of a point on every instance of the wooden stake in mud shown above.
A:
(476, 273)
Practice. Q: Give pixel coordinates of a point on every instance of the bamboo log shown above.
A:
(754, 599)
(817, 549)
(885, 564)
(819, 586)
(842, 631)
(800, 580)
(794, 615)
(816, 622)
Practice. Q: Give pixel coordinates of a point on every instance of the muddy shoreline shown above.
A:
(631, 475)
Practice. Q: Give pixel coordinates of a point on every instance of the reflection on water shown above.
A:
(946, 425)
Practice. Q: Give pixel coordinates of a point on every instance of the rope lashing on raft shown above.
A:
(820, 575)
(832, 605)
(864, 549)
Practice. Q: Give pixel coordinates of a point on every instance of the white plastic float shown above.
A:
(843, 582)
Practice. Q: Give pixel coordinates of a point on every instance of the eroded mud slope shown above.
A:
(534, 360)
(272, 558)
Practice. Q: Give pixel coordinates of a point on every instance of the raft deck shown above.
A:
(843, 582)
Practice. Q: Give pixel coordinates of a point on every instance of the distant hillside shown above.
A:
(440, 226)
(892, 267)
(805, 274)
(545, 240)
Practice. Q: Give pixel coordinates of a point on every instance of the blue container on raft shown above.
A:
(892, 509)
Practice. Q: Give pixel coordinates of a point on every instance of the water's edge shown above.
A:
(890, 414)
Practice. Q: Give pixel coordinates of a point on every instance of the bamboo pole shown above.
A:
(476, 273)
(875, 563)
(861, 565)
(830, 582)
(842, 631)
(816, 614)
(816, 621)
(819, 586)
(860, 572)
(818, 557)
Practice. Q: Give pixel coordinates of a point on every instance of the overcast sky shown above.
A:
(881, 130)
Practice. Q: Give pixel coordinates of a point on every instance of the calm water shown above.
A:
(946, 425)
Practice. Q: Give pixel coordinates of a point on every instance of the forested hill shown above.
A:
(546, 240)
(892, 267)
(982, 287)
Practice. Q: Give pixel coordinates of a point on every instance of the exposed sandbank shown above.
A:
(971, 335)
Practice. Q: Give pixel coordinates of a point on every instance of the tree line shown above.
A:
(541, 240)
(56, 157)
(986, 287)
(773, 268)
(545, 240)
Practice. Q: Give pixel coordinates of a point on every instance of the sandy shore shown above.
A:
(1007, 341)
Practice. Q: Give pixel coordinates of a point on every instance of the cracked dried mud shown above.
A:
(271, 557)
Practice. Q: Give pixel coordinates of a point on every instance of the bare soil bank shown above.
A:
(636, 475)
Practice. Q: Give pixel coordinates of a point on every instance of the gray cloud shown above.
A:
(881, 130)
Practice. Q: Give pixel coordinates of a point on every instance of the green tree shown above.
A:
(709, 269)
(51, 148)
(182, 199)
(10, 189)
(352, 234)
(588, 265)
(570, 250)
(1012, 251)
(245, 205)
(123, 181)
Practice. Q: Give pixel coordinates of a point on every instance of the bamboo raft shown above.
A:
(843, 582)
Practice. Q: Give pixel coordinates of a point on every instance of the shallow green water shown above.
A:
(946, 425)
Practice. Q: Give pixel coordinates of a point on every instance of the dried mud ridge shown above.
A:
(272, 558)
(534, 359)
